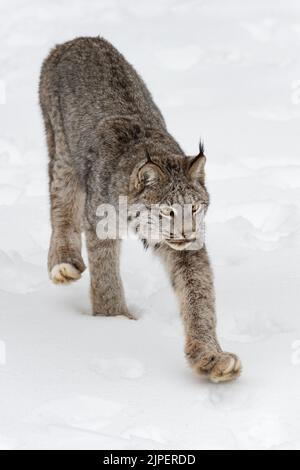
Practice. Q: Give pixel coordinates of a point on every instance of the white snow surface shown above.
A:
(228, 72)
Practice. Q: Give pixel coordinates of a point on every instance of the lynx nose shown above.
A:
(184, 237)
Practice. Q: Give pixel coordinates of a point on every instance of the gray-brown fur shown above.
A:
(107, 138)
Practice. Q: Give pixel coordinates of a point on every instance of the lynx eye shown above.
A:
(196, 208)
(167, 211)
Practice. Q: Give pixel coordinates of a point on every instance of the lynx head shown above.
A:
(169, 200)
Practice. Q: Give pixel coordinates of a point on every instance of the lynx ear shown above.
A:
(196, 169)
(147, 174)
(196, 166)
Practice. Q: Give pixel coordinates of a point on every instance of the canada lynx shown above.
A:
(106, 138)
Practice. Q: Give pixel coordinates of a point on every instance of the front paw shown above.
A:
(64, 273)
(217, 366)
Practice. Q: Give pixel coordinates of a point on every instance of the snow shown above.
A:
(228, 72)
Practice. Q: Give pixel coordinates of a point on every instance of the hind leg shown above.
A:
(65, 263)
(107, 293)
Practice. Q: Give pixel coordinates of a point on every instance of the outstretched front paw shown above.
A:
(219, 367)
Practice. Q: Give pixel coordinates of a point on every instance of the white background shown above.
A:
(227, 71)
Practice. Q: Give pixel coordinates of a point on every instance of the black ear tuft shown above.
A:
(201, 149)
